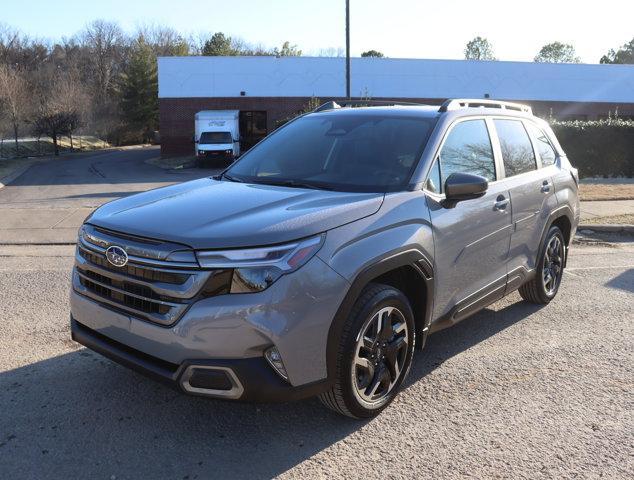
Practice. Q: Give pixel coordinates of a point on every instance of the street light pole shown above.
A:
(348, 49)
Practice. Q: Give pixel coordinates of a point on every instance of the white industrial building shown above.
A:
(268, 89)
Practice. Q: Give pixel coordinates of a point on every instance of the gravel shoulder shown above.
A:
(516, 391)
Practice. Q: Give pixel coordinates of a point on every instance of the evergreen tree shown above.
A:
(625, 54)
(557, 52)
(139, 90)
(219, 45)
(479, 49)
(372, 53)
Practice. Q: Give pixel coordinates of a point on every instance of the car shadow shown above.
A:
(80, 415)
(624, 281)
(444, 345)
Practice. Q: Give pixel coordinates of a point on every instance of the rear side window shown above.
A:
(466, 150)
(517, 150)
(545, 149)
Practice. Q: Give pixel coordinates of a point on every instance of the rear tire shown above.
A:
(375, 353)
(549, 270)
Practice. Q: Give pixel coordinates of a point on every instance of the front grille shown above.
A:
(135, 271)
(155, 290)
(100, 285)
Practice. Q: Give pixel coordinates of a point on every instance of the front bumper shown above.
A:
(215, 155)
(294, 315)
(247, 379)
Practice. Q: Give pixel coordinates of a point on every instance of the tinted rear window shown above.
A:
(517, 149)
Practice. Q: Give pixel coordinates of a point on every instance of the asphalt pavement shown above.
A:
(517, 391)
(48, 203)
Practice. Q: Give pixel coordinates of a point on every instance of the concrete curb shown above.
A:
(629, 229)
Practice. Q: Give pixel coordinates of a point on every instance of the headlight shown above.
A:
(255, 269)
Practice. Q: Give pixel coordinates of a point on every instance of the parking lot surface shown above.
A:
(516, 391)
(48, 203)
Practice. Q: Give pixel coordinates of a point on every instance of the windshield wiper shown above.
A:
(230, 178)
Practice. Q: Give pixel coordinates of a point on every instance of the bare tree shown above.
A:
(164, 41)
(62, 106)
(330, 52)
(10, 40)
(14, 100)
(104, 42)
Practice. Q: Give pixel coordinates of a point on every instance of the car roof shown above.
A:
(414, 111)
(424, 111)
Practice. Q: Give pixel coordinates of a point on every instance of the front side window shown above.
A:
(467, 149)
(517, 150)
(545, 149)
(346, 151)
(207, 138)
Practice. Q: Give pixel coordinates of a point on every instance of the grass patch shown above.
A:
(31, 147)
(173, 163)
(627, 219)
(606, 191)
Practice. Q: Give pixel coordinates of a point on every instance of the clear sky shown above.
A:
(398, 28)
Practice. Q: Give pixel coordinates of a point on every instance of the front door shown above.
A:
(471, 239)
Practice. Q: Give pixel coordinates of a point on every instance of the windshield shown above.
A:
(215, 137)
(347, 152)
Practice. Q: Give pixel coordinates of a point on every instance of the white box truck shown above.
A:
(217, 135)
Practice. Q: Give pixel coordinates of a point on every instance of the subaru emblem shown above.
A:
(117, 256)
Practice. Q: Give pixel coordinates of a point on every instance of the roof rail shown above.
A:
(456, 103)
(361, 103)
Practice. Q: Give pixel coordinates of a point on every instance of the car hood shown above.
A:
(207, 213)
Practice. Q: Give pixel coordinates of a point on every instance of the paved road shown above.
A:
(48, 202)
(515, 392)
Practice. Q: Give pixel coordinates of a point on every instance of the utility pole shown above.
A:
(348, 49)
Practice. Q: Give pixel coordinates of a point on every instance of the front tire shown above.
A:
(375, 353)
(549, 270)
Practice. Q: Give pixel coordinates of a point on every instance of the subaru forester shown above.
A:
(319, 261)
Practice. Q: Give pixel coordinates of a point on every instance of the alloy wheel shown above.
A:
(553, 265)
(380, 355)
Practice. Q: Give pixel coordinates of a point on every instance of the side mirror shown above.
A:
(464, 186)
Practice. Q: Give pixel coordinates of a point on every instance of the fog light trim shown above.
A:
(274, 358)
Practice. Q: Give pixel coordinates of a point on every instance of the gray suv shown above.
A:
(320, 260)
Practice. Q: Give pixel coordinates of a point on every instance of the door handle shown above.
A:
(545, 187)
(500, 203)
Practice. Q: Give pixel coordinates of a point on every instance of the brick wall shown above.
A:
(177, 114)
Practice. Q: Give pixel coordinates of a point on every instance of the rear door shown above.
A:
(531, 192)
(471, 238)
